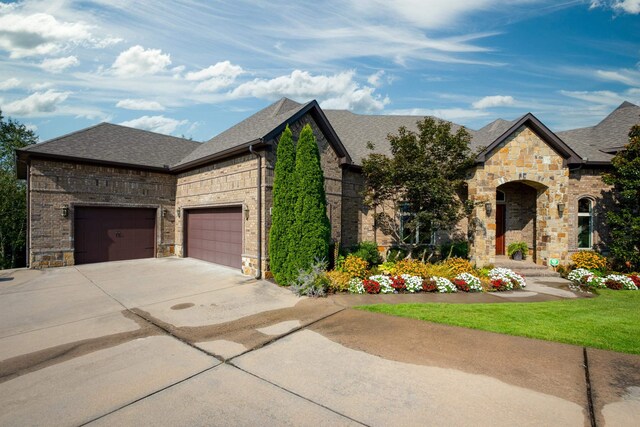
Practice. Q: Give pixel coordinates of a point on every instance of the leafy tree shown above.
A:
(311, 233)
(421, 181)
(13, 207)
(284, 202)
(624, 218)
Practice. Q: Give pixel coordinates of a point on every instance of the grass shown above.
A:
(610, 321)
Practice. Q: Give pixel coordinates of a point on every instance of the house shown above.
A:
(110, 192)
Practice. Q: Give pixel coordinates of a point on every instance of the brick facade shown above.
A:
(56, 185)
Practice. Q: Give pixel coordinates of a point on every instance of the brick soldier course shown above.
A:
(541, 174)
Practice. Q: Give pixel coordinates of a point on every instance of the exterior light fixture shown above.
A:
(164, 212)
(65, 211)
(560, 208)
(179, 212)
(487, 208)
(246, 212)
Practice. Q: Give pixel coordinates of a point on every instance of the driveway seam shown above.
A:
(587, 377)
(148, 395)
(298, 395)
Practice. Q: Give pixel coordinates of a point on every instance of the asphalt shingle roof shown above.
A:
(250, 129)
(119, 144)
(596, 143)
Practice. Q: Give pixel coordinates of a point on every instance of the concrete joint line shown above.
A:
(587, 377)
(279, 337)
(133, 402)
(297, 395)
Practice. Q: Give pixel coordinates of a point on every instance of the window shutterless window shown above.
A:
(585, 223)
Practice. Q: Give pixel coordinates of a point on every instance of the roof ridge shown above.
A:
(149, 131)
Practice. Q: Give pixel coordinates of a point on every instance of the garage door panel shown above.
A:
(215, 235)
(113, 234)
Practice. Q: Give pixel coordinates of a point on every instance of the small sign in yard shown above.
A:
(553, 262)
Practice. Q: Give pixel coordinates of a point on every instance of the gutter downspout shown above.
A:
(28, 230)
(259, 209)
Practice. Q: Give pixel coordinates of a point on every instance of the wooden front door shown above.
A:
(500, 229)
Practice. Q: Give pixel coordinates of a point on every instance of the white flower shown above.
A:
(355, 286)
(472, 281)
(385, 283)
(444, 285)
(508, 276)
(577, 274)
(413, 283)
(626, 282)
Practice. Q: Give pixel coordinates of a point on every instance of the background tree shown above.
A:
(422, 179)
(624, 218)
(284, 202)
(13, 207)
(311, 233)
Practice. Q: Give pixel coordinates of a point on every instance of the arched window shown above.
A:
(585, 223)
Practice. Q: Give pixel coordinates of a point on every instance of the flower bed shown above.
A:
(589, 279)
(467, 282)
(506, 279)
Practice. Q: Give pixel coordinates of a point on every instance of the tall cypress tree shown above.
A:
(312, 232)
(284, 201)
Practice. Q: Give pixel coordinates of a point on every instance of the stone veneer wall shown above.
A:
(230, 182)
(53, 185)
(526, 158)
(585, 182)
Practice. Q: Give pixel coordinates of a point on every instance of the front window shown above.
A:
(417, 235)
(585, 223)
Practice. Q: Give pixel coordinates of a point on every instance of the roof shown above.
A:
(117, 144)
(600, 142)
(250, 129)
(356, 130)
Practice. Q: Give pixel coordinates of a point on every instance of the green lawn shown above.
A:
(610, 321)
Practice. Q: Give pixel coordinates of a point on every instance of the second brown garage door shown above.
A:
(215, 235)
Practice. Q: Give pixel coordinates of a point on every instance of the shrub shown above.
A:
(388, 267)
(311, 233)
(521, 247)
(507, 275)
(458, 265)
(398, 283)
(368, 251)
(439, 270)
(618, 281)
(563, 270)
(590, 260)
(412, 267)
(312, 282)
(412, 283)
(371, 286)
(502, 284)
(338, 280)
(396, 254)
(355, 266)
(467, 282)
(459, 249)
(284, 200)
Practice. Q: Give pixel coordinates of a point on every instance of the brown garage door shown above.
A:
(215, 235)
(113, 234)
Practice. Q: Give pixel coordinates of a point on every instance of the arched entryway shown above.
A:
(516, 215)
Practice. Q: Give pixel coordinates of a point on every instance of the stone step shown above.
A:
(526, 268)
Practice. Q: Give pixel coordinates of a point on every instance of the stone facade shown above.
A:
(56, 185)
(523, 158)
(230, 182)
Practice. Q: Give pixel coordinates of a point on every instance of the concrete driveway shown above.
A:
(182, 342)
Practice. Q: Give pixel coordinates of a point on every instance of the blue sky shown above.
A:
(195, 68)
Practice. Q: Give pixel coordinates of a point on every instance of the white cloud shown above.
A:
(57, 65)
(493, 101)
(623, 6)
(625, 76)
(39, 34)
(10, 83)
(215, 77)
(333, 91)
(374, 79)
(39, 102)
(139, 104)
(138, 61)
(40, 86)
(160, 124)
(605, 97)
(452, 114)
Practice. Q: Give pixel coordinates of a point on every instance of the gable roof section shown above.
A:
(116, 145)
(543, 132)
(263, 126)
(599, 143)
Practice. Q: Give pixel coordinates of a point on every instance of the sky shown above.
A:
(195, 68)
